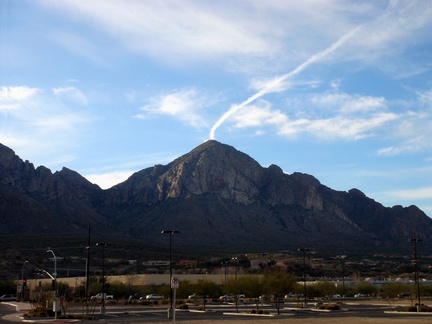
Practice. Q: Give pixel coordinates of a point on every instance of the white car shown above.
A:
(8, 297)
(360, 295)
(226, 297)
(154, 297)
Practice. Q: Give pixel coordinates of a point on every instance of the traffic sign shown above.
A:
(175, 282)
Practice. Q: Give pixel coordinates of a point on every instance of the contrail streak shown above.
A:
(274, 85)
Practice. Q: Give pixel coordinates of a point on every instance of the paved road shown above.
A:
(355, 313)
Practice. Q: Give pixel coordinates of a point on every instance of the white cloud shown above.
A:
(414, 132)
(412, 194)
(348, 128)
(346, 117)
(72, 94)
(383, 40)
(171, 27)
(185, 105)
(12, 97)
(41, 125)
(350, 104)
(109, 179)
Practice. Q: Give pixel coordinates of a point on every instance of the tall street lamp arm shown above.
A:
(55, 271)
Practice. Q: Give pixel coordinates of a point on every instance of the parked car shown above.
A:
(361, 295)
(336, 296)
(135, 296)
(154, 297)
(225, 297)
(8, 297)
(266, 297)
(403, 295)
(293, 295)
(229, 296)
(99, 296)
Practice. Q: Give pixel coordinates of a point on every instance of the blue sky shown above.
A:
(340, 90)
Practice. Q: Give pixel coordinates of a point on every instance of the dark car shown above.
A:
(405, 294)
(135, 296)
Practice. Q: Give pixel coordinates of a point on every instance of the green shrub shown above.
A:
(38, 311)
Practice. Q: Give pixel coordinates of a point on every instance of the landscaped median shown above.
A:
(259, 313)
(327, 308)
(411, 310)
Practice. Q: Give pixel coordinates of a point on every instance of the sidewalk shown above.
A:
(20, 309)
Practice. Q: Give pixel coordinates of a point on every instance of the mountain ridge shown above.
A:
(218, 197)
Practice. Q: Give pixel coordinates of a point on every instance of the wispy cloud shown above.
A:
(185, 105)
(38, 122)
(413, 133)
(279, 84)
(327, 128)
(412, 194)
(72, 94)
(12, 97)
(348, 104)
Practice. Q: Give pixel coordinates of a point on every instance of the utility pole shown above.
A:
(304, 250)
(87, 297)
(416, 270)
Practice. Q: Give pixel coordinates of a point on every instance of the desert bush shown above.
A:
(332, 307)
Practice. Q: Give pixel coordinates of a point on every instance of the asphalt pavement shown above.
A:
(367, 311)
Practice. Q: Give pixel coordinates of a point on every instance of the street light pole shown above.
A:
(304, 250)
(170, 232)
(225, 266)
(416, 270)
(55, 271)
(55, 281)
(102, 309)
(22, 280)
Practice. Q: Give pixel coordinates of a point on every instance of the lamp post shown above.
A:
(304, 250)
(416, 270)
(170, 232)
(235, 259)
(22, 280)
(342, 259)
(55, 282)
(102, 309)
(55, 271)
(225, 266)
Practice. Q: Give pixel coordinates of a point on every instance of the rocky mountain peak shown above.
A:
(214, 168)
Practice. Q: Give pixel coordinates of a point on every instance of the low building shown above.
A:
(190, 264)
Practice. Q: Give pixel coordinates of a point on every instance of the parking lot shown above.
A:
(353, 310)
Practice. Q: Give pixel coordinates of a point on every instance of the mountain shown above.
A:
(35, 201)
(219, 199)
